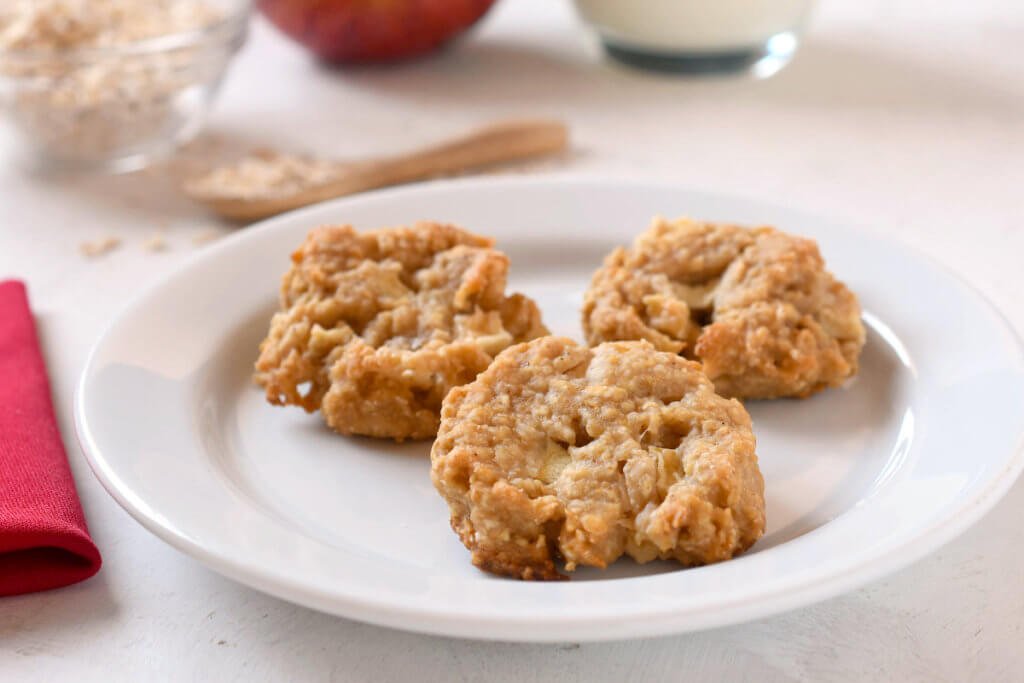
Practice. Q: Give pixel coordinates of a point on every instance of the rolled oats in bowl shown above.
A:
(113, 83)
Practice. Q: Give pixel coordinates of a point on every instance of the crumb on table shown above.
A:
(99, 247)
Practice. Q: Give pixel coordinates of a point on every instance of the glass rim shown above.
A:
(223, 30)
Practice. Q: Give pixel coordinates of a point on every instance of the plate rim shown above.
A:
(424, 619)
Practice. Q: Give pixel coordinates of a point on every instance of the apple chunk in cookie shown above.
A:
(376, 327)
(755, 306)
(559, 451)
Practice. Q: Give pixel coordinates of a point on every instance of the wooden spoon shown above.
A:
(492, 144)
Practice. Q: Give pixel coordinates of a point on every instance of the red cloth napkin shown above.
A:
(44, 542)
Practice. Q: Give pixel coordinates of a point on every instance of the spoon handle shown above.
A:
(506, 141)
(489, 145)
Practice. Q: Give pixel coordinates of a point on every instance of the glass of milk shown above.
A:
(699, 36)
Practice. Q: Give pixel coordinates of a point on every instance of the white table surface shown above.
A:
(905, 115)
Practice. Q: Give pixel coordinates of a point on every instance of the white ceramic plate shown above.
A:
(859, 481)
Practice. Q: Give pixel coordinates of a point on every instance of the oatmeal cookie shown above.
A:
(754, 305)
(562, 451)
(376, 327)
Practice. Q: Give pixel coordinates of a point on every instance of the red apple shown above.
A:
(373, 30)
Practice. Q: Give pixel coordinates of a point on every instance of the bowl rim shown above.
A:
(227, 28)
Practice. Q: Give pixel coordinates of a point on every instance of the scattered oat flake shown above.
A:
(155, 243)
(99, 247)
(205, 237)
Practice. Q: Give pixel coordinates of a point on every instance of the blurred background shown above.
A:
(901, 115)
(878, 91)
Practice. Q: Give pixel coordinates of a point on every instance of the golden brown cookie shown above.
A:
(561, 451)
(755, 306)
(376, 327)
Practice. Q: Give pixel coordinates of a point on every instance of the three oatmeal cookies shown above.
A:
(755, 306)
(376, 327)
(546, 450)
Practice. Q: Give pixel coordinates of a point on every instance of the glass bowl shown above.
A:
(118, 108)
